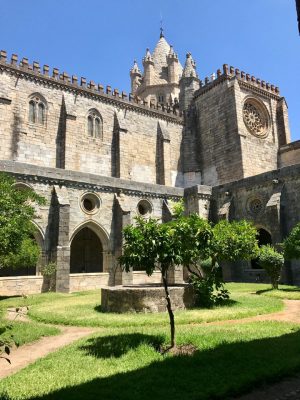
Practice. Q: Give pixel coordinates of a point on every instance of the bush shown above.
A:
(292, 244)
(209, 290)
(272, 262)
(49, 272)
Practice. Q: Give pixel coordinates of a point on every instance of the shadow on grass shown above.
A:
(227, 370)
(118, 345)
(278, 290)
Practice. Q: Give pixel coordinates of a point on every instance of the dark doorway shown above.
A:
(86, 253)
(263, 238)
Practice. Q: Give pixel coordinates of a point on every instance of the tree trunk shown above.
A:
(169, 308)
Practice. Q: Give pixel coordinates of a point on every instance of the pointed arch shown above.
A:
(90, 248)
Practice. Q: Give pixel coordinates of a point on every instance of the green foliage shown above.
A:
(292, 244)
(233, 241)
(16, 213)
(27, 256)
(209, 289)
(272, 261)
(49, 269)
(177, 208)
(150, 244)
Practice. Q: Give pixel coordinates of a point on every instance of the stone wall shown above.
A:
(289, 154)
(271, 202)
(127, 146)
(21, 285)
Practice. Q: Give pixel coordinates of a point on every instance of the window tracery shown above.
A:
(94, 124)
(37, 110)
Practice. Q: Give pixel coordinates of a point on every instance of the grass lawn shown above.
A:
(23, 332)
(123, 364)
(83, 309)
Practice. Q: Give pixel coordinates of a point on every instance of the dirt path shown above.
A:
(291, 313)
(27, 354)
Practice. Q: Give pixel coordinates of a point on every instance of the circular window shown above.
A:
(255, 118)
(144, 208)
(90, 203)
(255, 206)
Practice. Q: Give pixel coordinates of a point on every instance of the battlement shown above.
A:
(72, 81)
(230, 72)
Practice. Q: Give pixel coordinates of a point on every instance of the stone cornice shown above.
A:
(85, 181)
(66, 85)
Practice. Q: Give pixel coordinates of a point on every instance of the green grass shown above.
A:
(125, 365)
(24, 332)
(83, 309)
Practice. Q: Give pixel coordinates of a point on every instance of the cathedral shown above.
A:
(101, 156)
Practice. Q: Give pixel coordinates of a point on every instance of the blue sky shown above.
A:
(100, 39)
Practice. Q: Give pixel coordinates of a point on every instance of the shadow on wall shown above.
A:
(229, 369)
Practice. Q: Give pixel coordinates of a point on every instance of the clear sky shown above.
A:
(100, 39)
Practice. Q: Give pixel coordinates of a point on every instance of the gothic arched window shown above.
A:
(37, 110)
(94, 124)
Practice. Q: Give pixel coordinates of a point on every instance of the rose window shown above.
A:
(255, 206)
(255, 118)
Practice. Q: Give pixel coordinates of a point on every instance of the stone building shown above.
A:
(101, 157)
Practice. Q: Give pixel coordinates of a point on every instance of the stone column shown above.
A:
(197, 200)
(63, 245)
(122, 218)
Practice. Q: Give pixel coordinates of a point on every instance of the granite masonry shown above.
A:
(100, 157)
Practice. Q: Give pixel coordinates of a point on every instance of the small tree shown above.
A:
(226, 241)
(151, 245)
(292, 244)
(16, 213)
(272, 262)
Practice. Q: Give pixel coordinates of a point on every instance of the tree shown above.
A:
(152, 245)
(203, 249)
(184, 241)
(16, 229)
(291, 244)
(272, 262)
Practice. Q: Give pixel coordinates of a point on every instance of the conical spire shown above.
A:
(189, 69)
(148, 56)
(135, 69)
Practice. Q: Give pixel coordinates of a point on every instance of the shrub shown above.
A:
(209, 290)
(272, 262)
(292, 244)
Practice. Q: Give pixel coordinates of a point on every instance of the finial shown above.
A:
(161, 27)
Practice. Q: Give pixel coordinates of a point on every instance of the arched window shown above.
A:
(37, 110)
(161, 98)
(32, 111)
(94, 124)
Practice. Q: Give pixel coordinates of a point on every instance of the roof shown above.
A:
(159, 57)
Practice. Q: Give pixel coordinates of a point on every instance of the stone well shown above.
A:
(145, 298)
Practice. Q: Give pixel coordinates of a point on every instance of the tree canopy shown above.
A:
(186, 240)
(292, 244)
(16, 214)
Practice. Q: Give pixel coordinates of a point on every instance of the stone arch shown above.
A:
(39, 237)
(90, 249)
(264, 237)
